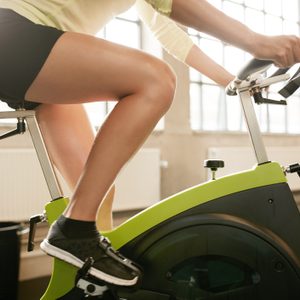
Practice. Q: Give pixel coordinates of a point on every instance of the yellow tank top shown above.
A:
(90, 16)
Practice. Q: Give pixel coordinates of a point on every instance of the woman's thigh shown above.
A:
(24, 47)
(82, 68)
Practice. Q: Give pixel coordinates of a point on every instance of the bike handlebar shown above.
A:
(253, 66)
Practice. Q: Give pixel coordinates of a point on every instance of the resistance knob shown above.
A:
(214, 165)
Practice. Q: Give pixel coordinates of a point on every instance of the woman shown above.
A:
(51, 62)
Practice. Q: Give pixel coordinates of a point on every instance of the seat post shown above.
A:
(40, 148)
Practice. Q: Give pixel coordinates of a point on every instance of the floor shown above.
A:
(32, 289)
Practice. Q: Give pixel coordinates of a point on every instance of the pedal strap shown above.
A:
(105, 244)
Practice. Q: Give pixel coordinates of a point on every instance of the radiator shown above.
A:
(23, 190)
(242, 158)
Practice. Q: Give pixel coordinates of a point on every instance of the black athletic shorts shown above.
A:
(24, 48)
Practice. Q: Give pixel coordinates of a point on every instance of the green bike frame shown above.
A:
(63, 275)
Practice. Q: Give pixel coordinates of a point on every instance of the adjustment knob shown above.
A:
(214, 165)
(293, 169)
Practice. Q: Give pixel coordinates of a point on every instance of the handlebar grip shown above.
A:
(253, 66)
(230, 89)
(280, 72)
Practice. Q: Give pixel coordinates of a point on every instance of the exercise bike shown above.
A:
(235, 237)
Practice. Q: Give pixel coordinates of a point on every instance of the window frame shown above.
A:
(198, 124)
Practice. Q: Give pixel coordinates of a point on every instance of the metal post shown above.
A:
(253, 127)
(45, 162)
(40, 148)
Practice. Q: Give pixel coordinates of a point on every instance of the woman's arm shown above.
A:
(177, 42)
(200, 15)
(205, 65)
(173, 39)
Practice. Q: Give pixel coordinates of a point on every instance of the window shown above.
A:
(210, 108)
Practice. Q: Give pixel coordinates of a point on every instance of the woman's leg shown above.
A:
(83, 68)
(69, 137)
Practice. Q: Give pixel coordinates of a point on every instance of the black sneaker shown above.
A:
(109, 265)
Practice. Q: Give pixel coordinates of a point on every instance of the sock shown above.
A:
(72, 228)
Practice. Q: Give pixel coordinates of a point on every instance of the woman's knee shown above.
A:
(159, 84)
(166, 83)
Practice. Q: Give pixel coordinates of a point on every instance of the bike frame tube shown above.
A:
(253, 127)
(41, 150)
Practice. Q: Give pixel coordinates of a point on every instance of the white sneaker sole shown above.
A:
(73, 260)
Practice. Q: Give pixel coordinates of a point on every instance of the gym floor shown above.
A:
(33, 289)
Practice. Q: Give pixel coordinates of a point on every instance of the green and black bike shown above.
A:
(235, 237)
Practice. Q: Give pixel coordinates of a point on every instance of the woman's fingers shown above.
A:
(284, 50)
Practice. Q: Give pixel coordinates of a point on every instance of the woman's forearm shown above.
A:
(202, 16)
(205, 65)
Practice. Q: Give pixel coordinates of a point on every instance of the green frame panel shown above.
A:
(262, 175)
(63, 276)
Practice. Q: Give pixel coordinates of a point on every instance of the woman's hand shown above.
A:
(283, 50)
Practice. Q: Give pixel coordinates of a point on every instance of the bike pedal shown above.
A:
(90, 288)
